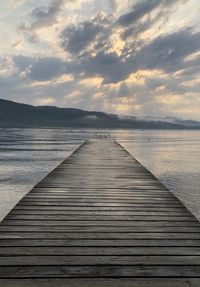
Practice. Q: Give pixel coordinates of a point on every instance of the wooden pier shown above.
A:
(100, 219)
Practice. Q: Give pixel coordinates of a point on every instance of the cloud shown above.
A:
(45, 16)
(144, 16)
(93, 48)
(77, 38)
(40, 69)
(6, 66)
(144, 8)
(168, 52)
(23, 62)
(191, 67)
(106, 65)
(17, 3)
(139, 10)
(135, 57)
(46, 69)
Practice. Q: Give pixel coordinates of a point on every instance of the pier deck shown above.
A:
(100, 219)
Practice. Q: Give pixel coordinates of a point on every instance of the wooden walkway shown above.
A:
(100, 219)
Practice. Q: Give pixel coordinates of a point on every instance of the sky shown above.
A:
(130, 57)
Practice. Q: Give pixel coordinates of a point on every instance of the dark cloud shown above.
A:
(137, 28)
(106, 65)
(23, 62)
(191, 67)
(167, 52)
(40, 69)
(139, 10)
(90, 44)
(77, 38)
(144, 8)
(144, 15)
(46, 69)
(41, 17)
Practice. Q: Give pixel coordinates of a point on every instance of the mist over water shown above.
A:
(27, 155)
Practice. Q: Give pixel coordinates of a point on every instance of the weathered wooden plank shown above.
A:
(76, 183)
(97, 235)
(99, 197)
(98, 193)
(97, 204)
(100, 214)
(98, 282)
(170, 213)
(96, 208)
(98, 251)
(119, 271)
(136, 218)
(62, 184)
(126, 202)
(98, 190)
(80, 260)
(101, 242)
(44, 227)
(132, 224)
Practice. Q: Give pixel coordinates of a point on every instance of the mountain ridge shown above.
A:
(13, 114)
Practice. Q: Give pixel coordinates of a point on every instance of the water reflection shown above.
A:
(174, 157)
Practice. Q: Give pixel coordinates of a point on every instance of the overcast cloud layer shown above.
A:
(139, 57)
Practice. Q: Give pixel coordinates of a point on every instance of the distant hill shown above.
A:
(14, 114)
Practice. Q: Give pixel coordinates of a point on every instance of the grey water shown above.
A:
(27, 155)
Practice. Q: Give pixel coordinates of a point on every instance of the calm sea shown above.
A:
(27, 155)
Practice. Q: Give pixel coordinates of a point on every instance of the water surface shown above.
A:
(27, 155)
